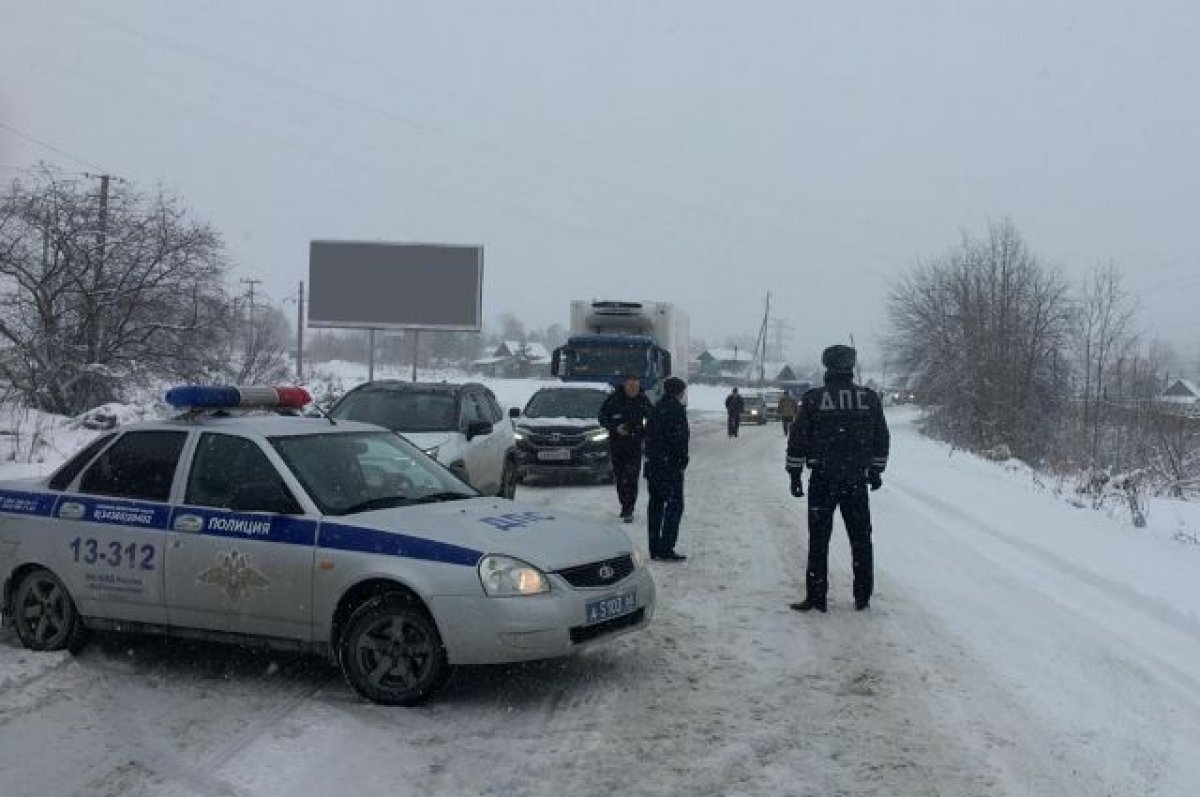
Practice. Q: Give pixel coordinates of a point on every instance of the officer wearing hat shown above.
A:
(667, 436)
(841, 436)
(624, 415)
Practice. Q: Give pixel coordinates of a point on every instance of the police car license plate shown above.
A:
(553, 454)
(607, 609)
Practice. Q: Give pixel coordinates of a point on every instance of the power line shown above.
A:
(50, 147)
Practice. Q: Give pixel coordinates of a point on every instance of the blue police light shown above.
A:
(217, 397)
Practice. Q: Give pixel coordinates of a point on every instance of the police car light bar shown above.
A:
(214, 397)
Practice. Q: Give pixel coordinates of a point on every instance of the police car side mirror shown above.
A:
(478, 428)
(264, 497)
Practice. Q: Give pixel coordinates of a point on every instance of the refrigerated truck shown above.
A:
(608, 339)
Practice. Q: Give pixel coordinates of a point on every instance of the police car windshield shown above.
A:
(400, 410)
(353, 472)
(565, 404)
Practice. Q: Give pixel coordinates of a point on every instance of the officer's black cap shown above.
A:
(839, 358)
(674, 386)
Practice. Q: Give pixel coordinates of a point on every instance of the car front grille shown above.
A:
(584, 633)
(556, 440)
(599, 574)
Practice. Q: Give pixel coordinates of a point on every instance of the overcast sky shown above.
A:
(698, 152)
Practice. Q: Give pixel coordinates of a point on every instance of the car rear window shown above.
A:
(399, 410)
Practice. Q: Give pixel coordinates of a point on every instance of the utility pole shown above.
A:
(250, 315)
(94, 322)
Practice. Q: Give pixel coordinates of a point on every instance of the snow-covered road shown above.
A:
(1016, 646)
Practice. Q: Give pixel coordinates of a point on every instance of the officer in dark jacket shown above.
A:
(624, 415)
(667, 436)
(734, 404)
(841, 435)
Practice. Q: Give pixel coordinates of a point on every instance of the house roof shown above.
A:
(729, 355)
(532, 351)
(1182, 388)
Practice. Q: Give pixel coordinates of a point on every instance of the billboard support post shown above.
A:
(371, 354)
(416, 347)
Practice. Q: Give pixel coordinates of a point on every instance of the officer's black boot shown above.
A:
(808, 604)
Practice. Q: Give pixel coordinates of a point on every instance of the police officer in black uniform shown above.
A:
(734, 404)
(841, 435)
(624, 415)
(667, 436)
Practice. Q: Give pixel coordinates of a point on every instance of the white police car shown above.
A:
(302, 532)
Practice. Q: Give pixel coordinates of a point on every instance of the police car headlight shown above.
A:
(598, 437)
(505, 577)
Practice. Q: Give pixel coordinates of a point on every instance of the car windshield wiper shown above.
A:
(433, 498)
(385, 502)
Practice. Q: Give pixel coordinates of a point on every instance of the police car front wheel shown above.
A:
(392, 653)
(44, 614)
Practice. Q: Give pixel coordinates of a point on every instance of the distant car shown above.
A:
(754, 409)
(771, 399)
(459, 425)
(296, 533)
(558, 434)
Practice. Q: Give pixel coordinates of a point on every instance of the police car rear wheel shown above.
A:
(44, 614)
(392, 653)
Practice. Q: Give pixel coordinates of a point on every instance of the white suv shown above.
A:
(459, 425)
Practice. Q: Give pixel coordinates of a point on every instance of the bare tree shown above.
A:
(982, 331)
(1105, 338)
(89, 303)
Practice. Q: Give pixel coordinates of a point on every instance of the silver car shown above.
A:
(299, 532)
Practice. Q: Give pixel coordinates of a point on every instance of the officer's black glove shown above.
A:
(874, 479)
(797, 482)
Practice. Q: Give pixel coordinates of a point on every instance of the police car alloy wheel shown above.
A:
(391, 652)
(44, 614)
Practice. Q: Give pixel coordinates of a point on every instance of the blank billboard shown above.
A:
(388, 286)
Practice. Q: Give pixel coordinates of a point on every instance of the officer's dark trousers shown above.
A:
(787, 425)
(824, 496)
(734, 422)
(627, 469)
(664, 511)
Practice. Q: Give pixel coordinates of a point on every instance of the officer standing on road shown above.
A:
(624, 415)
(734, 404)
(667, 436)
(841, 435)
(787, 411)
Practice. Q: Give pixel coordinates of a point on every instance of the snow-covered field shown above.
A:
(1016, 646)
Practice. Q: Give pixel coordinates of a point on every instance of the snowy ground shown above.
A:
(1016, 646)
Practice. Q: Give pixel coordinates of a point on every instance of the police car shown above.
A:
(333, 536)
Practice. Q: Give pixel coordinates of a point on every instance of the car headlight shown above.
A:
(519, 434)
(505, 577)
(598, 437)
(639, 558)
(432, 452)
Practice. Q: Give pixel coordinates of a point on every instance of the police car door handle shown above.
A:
(71, 510)
(188, 523)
